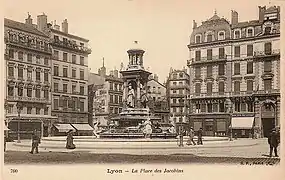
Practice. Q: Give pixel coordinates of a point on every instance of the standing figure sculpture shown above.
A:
(144, 99)
(131, 97)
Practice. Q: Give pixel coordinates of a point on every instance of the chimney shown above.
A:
(116, 73)
(234, 17)
(261, 13)
(65, 26)
(194, 24)
(155, 77)
(29, 20)
(111, 73)
(42, 22)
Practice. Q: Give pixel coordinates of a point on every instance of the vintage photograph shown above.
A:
(142, 81)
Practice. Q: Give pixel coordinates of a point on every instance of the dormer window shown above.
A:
(221, 35)
(237, 34)
(209, 37)
(198, 38)
(250, 32)
(267, 30)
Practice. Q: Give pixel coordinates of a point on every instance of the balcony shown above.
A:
(205, 60)
(179, 86)
(177, 95)
(71, 45)
(266, 92)
(274, 52)
(29, 99)
(210, 95)
(241, 93)
(28, 45)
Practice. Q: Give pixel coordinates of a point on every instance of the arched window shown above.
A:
(237, 34)
(221, 35)
(198, 38)
(209, 37)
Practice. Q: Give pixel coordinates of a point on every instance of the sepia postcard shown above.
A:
(99, 89)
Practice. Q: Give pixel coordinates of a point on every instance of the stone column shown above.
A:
(125, 94)
(138, 94)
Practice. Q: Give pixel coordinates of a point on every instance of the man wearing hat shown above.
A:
(191, 137)
(35, 142)
(273, 141)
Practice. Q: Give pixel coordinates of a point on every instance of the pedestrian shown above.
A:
(191, 137)
(35, 142)
(200, 132)
(273, 141)
(69, 140)
(5, 140)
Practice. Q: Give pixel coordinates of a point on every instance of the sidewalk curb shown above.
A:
(141, 147)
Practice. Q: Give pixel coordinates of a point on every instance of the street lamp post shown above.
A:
(19, 108)
(180, 125)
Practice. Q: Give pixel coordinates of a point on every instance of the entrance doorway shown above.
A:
(268, 125)
(45, 133)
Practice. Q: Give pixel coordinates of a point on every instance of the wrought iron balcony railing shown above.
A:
(71, 45)
(29, 45)
(267, 53)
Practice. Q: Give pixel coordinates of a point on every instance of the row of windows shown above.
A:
(28, 57)
(220, 107)
(154, 89)
(237, 69)
(267, 67)
(115, 110)
(73, 104)
(221, 71)
(65, 40)
(116, 87)
(116, 99)
(178, 75)
(29, 92)
(179, 91)
(237, 53)
(29, 110)
(65, 72)
(66, 58)
(179, 109)
(66, 90)
(221, 86)
(221, 35)
(11, 73)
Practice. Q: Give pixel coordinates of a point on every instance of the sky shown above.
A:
(161, 27)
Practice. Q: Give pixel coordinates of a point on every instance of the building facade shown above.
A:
(28, 79)
(157, 99)
(178, 89)
(108, 94)
(69, 74)
(235, 72)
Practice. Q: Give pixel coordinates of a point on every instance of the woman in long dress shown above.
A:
(69, 140)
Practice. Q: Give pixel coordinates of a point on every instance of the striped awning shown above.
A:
(63, 127)
(242, 122)
(82, 127)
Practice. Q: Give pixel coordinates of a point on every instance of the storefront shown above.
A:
(83, 129)
(61, 129)
(242, 127)
(212, 125)
(22, 127)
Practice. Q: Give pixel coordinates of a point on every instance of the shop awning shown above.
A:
(63, 127)
(242, 122)
(82, 127)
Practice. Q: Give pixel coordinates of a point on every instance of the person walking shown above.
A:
(35, 142)
(273, 141)
(69, 140)
(200, 132)
(191, 137)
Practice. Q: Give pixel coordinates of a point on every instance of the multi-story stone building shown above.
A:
(235, 73)
(28, 79)
(69, 73)
(178, 87)
(157, 99)
(107, 101)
